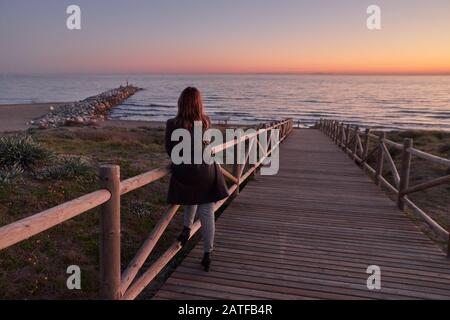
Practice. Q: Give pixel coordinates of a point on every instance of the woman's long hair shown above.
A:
(190, 109)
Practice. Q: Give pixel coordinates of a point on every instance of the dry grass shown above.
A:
(434, 201)
(36, 268)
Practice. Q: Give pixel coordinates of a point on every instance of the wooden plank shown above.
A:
(426, 185)
(320, 269)
(144, 251)
(143, 179)
(30, 226)
(225, 288)
(429, 157)
(310, 232)
(261, 247)
(391, 163)
(313, 286)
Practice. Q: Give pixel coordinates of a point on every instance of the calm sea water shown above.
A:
(389, 102)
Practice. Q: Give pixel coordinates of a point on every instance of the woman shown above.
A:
(196, 186)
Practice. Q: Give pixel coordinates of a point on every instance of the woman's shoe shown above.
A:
(206, 261)
(184, 236)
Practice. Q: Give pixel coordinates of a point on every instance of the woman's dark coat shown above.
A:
(192, 184)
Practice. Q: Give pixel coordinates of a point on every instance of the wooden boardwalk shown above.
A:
(310, 232)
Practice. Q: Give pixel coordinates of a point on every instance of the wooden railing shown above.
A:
(357, 145)
(113, 283)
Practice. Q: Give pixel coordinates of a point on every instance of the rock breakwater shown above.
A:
(88, 111)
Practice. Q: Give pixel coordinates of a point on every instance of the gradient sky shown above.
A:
(225, 36)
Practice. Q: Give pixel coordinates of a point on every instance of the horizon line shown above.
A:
(446, 73)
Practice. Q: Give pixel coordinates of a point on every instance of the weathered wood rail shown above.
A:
(113, 283)
(310, 232)
(364, 146)
(305, 233)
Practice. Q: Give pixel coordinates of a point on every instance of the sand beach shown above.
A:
(15, 117)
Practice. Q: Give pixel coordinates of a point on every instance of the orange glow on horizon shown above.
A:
(222, 37)
(410, 57)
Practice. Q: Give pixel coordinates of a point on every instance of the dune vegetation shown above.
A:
(43, 168)
(433, 201)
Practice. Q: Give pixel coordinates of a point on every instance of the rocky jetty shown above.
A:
(87, 112)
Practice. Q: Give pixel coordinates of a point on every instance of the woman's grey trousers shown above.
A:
(206, 214)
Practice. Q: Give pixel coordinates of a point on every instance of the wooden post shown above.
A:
(380, 159)
(237, 167)
(110, 235)
(404, 174)
(448, 244)
(355, 145)
(257, 153)
(347, 138)
(341, 136)
(336, 132)
(365, 146)
(333, 125)
(333, 130)
(281, 128)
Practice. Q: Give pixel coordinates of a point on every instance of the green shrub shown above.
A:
(21, 151)
(71, 168)
(9, 174)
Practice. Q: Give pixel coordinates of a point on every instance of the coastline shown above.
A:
(16, 117)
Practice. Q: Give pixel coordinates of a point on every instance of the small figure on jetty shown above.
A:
(196, 186)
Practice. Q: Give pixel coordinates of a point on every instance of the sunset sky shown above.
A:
(225, 36)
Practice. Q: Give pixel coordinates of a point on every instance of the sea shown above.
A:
(380, 102)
